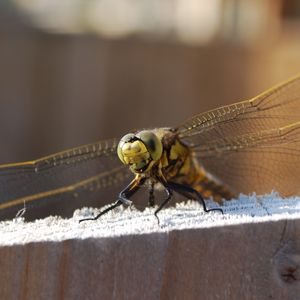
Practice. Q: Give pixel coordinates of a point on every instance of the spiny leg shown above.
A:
(151, 201)
(161, 206)
(187, 191)
(131, 189)
(113, 206)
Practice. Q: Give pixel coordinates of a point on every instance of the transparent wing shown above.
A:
(59, 183)
(254, 145)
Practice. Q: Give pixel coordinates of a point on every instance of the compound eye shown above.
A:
(125, 139)
(152, 143)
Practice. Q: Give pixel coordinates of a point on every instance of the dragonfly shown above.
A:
(245, 147)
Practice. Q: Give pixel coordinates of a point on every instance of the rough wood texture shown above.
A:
(249, 261)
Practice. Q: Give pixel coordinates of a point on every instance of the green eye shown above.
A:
(139, 150)
(125, 139)
(152, 142)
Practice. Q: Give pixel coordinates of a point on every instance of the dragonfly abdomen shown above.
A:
(180, 166)
(208, 187)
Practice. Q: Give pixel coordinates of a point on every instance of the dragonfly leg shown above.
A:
(132, 188)
(188, 191)
(116, 204)
(151, 201)
(161, 206)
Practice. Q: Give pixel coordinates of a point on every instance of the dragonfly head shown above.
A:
(139, 151)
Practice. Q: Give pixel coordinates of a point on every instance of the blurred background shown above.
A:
(76, 71)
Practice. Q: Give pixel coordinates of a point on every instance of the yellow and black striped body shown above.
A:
(252, 146)
(179, 165)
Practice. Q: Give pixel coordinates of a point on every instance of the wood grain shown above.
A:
(247, 261)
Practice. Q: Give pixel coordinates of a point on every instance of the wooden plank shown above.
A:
(230, 256)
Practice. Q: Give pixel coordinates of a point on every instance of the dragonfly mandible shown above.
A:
(245, 147)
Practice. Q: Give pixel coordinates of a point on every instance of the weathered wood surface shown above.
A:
(243, 261)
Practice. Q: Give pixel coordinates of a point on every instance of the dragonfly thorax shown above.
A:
(140, 151)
